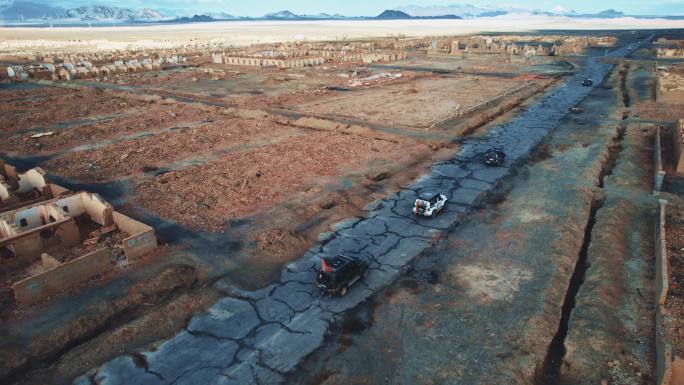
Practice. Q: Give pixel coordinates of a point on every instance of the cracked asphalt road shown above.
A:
(257, 337)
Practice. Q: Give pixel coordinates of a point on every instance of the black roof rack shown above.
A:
(337, 262)
(428, 195)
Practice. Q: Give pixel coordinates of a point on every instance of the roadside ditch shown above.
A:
(550, 372)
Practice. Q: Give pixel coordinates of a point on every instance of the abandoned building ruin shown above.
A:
(678, 146)
(293, 59)
(512, 45)
(64, 66)
(670, 52)
(17, 189)
(52, 239)
(670, 85)
(670, 48)
(84, 69)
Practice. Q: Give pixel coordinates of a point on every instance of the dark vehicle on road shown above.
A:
(494, 157)
(339, 273)
(588, 83)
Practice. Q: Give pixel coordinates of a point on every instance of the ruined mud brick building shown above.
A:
(17, 189)
(669, 48)
(84, 69)
(53, 239)
(678, 146)
(670, 86)
(283, 58)
(46, 64)
(670, 52)
(515, 45)
(68, 66)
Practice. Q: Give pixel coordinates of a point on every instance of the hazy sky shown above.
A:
(371, 8)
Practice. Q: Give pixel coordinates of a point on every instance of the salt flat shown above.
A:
(249, 32)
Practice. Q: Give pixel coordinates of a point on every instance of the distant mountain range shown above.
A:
(193, 19)
(24, 10)
(462, 10)
(95, 12)
(27, 10)
(391, 14)
(287, 15)
(472, 11)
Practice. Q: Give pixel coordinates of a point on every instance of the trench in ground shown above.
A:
(122, 317)
(550, 371)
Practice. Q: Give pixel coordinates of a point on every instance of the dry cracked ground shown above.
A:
(538, 272)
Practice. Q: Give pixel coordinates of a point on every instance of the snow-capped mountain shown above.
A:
(19, 10)
(282, 15)
(287, 15)
(463, 10)
(100, 12)
(221, 15)
(470, 11)
(27, 10)
(561, 10)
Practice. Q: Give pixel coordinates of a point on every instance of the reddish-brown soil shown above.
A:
(651, 110)
(312, 94)
(247, 182)
(31, 93)
(150, 117)
(151, 152)
(70, 104)
(164, 78)
(675, 248)
(417, 104)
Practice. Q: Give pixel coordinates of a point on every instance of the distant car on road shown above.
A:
(429, 204)
(339, 273)
(575, 110)
(494, 157)
(588, 83)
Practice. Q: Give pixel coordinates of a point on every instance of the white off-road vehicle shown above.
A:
(429, 204)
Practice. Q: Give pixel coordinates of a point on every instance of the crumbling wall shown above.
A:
(28, 218)
(4, 192)
(658, 173)
(662, 337)
(91, 204)
(31, 179)
(5, 229)
(26, 248)
(140, 239)
(678, 146)
(28, 245)
(34, 228)
(98, 209)
(9, 171)
(38, 287)
(670, 52)
(13, 183)
(670, 87)
(56, 190)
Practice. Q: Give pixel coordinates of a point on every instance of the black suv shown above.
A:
(588, 83)
(339, 273)
(494, 157)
